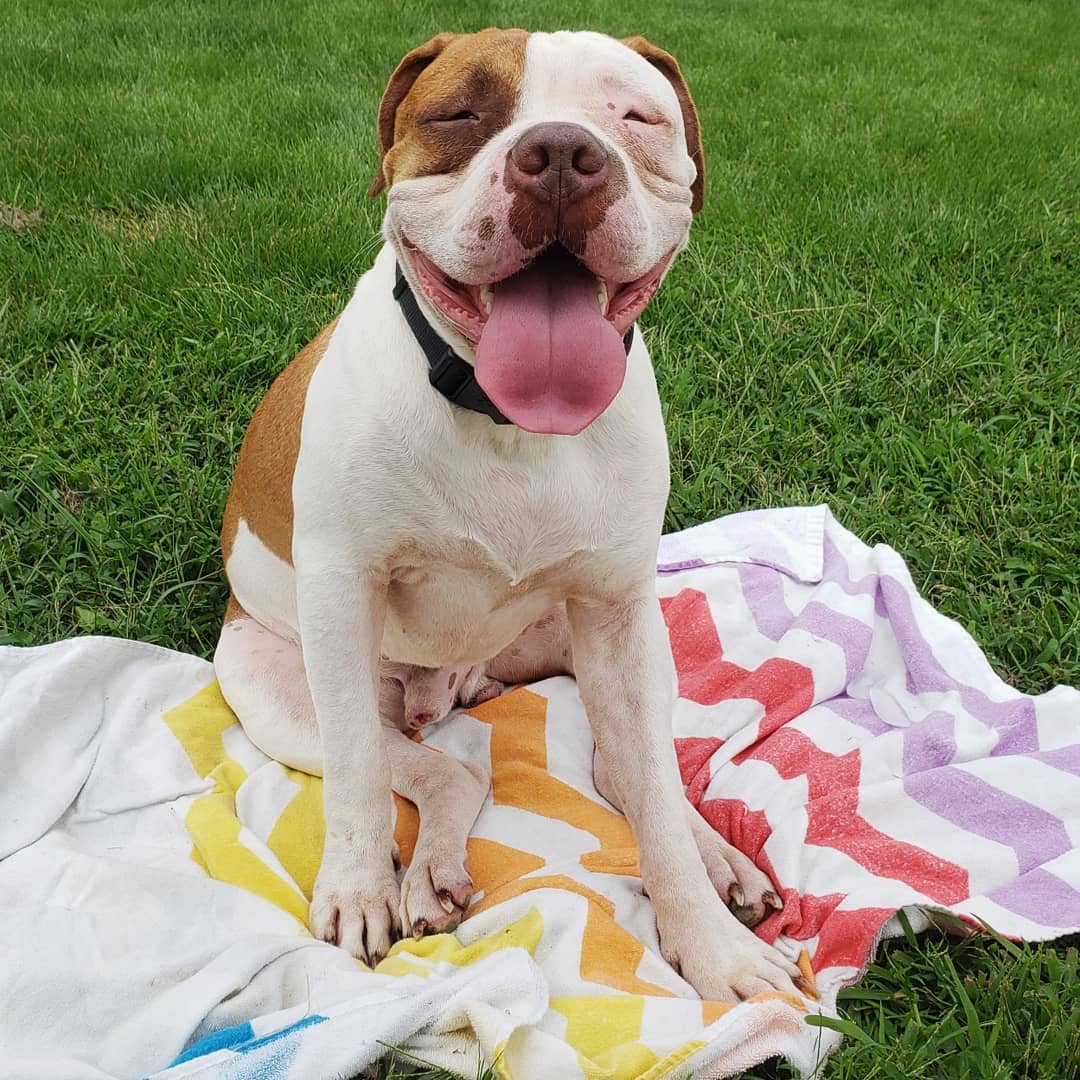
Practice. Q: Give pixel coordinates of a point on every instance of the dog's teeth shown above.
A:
(486, 297)
(601, 295)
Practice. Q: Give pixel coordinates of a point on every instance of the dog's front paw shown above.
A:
(435, 893)
(356, 907)
(726, 962)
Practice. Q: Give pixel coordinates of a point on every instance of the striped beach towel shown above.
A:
(852, 741)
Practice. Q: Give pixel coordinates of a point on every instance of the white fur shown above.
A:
(428, 535)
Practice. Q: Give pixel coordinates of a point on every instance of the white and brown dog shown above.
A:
(539, 186)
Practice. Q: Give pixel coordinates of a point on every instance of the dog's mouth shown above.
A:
(548, 339)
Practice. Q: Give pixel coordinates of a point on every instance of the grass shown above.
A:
(879, 310)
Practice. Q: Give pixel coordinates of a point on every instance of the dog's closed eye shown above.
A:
(459, 117)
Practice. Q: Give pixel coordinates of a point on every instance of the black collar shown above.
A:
(447, 372)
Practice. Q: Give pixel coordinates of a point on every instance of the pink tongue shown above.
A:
(547, 357)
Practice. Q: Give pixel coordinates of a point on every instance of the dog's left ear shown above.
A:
(397, 90)
(668, 66)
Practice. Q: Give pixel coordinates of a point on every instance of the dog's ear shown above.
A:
(668, 66)
(397, 90)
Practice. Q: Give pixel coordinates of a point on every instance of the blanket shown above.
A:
(155, 867)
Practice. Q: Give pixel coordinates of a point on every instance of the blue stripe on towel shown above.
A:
(240, 1039)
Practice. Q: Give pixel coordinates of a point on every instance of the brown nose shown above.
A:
(422, 719)
(558, 163)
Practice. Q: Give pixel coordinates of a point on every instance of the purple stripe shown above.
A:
(1041, 897)
(1066, 758)
(929, 744)
(853, 636)
(676, 567)
(857, 711)
(1013, 721)
(763, 592)
(837, 571)
(1035, 835)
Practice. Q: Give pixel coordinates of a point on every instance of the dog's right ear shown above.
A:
(397, 90)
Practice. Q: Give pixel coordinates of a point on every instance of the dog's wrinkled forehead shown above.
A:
(451, 96)
(573, 75)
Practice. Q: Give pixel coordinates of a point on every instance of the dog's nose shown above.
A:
(421, 719)
(558, 162)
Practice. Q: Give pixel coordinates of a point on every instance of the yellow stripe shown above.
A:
(676, 1057)
(198, 724)
(215, 829)
(606, 1033)
(299, 833)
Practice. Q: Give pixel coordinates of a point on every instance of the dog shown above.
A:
(469, 466)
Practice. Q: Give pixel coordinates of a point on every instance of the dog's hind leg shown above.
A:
(263, 679)
(541, 650)
(437, 888)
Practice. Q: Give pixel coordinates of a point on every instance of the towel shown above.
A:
(155, 867)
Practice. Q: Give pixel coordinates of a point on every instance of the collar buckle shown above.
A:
(449, 375)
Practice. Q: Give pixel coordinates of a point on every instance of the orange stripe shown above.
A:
(622, 861)
(711, 1011)
(520, 774)
(406, 828)
(492, 865)
(610, 955)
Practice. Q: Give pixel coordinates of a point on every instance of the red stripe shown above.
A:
(694, 754)
(785, 689)
(833, 820)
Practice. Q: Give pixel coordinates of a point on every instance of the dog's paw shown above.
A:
(728, 963)
(745, 889)
(435, 893)
(356, 907)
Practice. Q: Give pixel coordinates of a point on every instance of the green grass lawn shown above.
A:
(880, 309)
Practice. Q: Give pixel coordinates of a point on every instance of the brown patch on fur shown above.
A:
(234, 610)
(486, 229)
(668, 66)
(262, 484)
(478, 73)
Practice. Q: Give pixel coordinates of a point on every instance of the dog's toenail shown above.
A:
(770, 899)
(736, 897)
(447, 902)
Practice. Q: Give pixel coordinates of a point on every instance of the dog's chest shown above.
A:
(481, 560)
(464, 610)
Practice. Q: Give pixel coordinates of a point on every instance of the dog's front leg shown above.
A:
(625, 675)
(355, 900)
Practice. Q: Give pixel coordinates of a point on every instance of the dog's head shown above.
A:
(539, 186)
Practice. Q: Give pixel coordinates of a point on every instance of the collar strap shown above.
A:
(453, 377)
